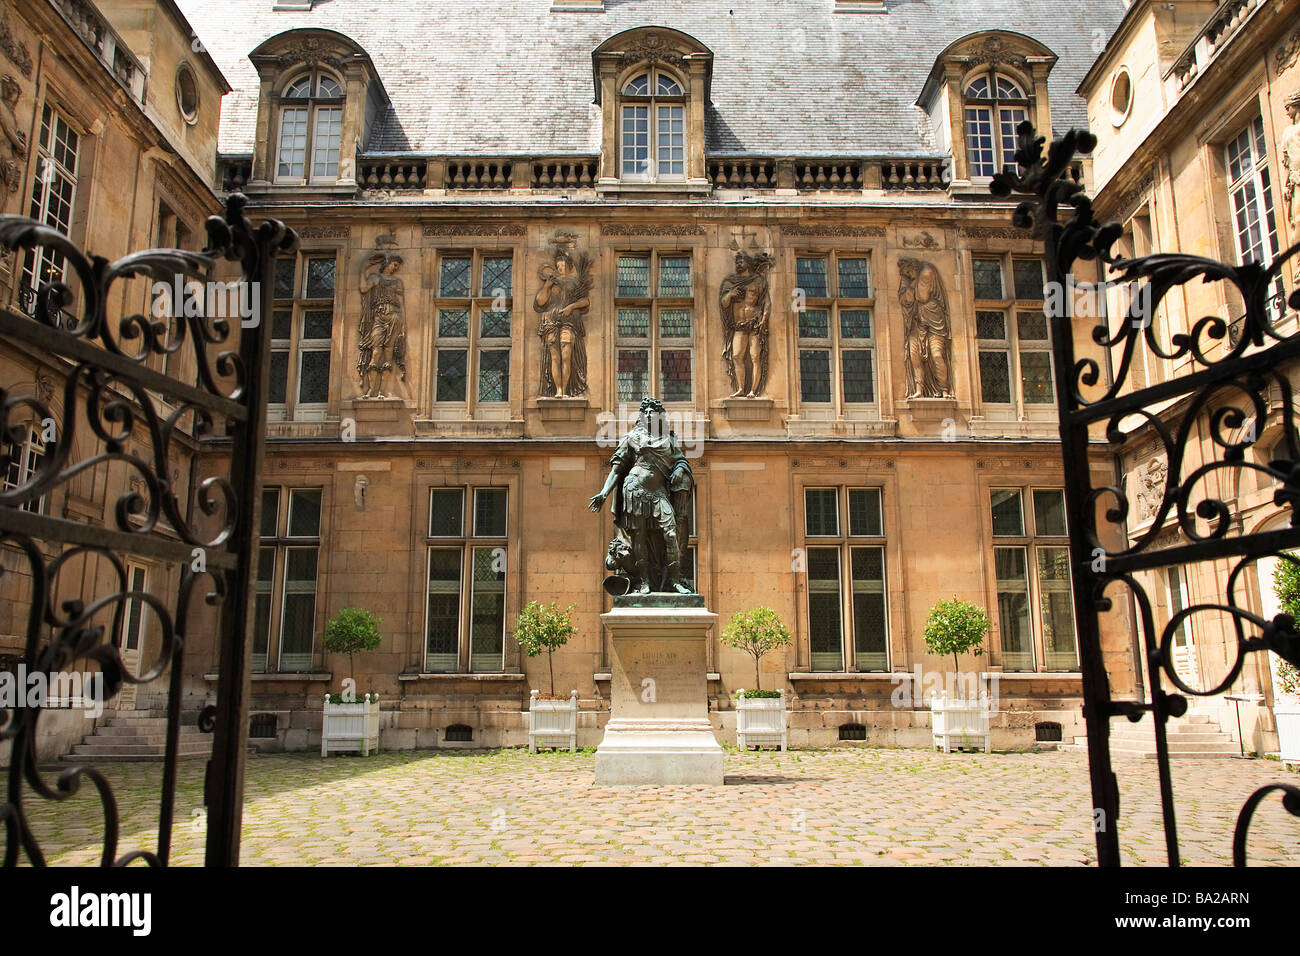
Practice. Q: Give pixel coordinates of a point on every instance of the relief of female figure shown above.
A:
(562, 304)
(383, 323)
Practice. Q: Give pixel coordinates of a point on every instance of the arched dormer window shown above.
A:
(652, 86)
(995, 105)
(652, 128)
(311, 115)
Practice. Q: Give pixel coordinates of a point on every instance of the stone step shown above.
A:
(129, 758)
(111, 747)
(1174, 736)
(109, 730)
(153, 740)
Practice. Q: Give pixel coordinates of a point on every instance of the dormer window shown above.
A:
(311, 112)
(995, 105)
(653, 128)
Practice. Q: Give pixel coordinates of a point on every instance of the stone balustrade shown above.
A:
(112, 52)
(397, 174)
(1218, 30)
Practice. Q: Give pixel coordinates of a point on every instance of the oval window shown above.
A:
(1121, 97)
(187, 93)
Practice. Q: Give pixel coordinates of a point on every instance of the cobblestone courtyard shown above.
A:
(841, 806)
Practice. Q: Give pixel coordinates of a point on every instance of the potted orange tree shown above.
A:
(552, 721)
(760, 714)
(348, 723)
(958, 627)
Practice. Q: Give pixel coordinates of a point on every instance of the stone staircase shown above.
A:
(1193, 735)
(138, 736)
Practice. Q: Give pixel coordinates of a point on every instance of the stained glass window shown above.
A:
(453, 323)
(454, 280)
(633, 323)
(320, 278)
(497, 276)
(487, 610)
(632, 374)
(810, 276)
(859, 383)
(1028, 277)
(494, 375)
(452, 375)
(1013, 609)
(304, 513)
(855, 282)
(298, 626)
(1057, 609)
(855, 323)
(494, 325)
(284, 269)
(279, 377)
(317, 324)
(995, 377)
(675, 375)
(1036, 377)
(988, 278)
(313, 377)
(990, 325)
(634, 277)
(675, 277)
(675, 323)
(814, 324)
(815, 375)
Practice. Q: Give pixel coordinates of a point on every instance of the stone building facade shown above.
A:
(109, 127)
(1197, 111)
(773, 217)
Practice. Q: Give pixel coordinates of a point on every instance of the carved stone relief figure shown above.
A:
(13, 141)
(561, 304)
(927, 330)
(1151, 480)
(1290, 147)
(746, 304)
(382, 346)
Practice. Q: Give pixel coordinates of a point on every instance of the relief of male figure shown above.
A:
(746, 309)
(651, 481)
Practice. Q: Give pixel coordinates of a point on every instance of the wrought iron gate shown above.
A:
(106, 391)
(1231, 388)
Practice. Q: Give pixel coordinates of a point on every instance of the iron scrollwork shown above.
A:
(108, 405)
(1238, 382)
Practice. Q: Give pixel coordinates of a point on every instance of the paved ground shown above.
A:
(841, 806)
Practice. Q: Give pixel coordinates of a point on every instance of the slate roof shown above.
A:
(509, 77)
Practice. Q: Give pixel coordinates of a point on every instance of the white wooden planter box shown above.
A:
(350, 726)
(552, 722)
(959, 722)
(1288, 731)
(761, 721)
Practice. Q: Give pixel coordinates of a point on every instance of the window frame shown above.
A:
(996, 108)
(1014, 345)
(654, 343)
(844, 543)
(653, 102)
(43, 259)
(476, 303)
(276, 586)
(20, 470)
(1259, 180)
(297, 345)
(835, 343)
(465, 545)
(1031, 542)
(313, 105)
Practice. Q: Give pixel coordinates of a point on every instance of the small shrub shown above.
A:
(761, 694)
(544, 628)
(756, 632)
(354, 630)
(956, 627)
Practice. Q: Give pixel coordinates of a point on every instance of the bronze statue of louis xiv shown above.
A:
(651, 481)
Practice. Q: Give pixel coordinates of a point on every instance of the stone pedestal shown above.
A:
(659, 731)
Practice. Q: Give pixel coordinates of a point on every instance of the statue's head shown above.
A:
(9, 89)
(652, 411)
(742, 263)
(1292, 106)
